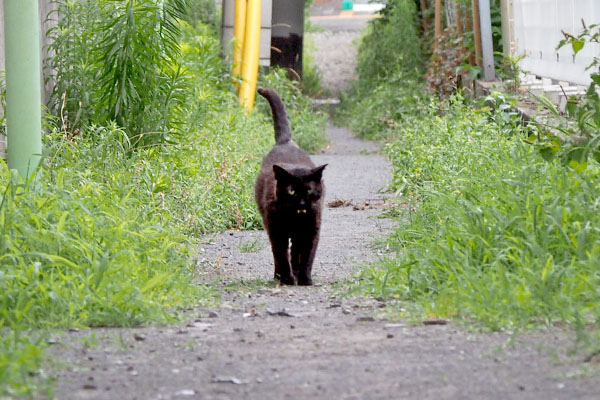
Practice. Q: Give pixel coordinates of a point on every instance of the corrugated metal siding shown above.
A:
(537, 32)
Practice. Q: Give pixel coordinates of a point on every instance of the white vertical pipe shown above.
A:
(487, 48)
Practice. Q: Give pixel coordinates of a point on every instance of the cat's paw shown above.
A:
(304, 281)
(287, 280)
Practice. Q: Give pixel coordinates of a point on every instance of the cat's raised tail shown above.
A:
(283, 133)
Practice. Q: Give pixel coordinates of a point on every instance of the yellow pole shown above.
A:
(239, 29)
(250, 55)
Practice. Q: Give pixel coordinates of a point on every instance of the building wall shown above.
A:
(536, 31)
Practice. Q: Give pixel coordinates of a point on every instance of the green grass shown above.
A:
(104, 236)
(378, 112)
(390, 45)
(497, 234)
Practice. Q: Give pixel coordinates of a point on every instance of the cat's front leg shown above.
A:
(303, 255)
(283, 272)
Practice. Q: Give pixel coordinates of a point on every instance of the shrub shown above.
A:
(377, 113)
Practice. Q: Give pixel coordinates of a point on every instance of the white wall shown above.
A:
(537, 31)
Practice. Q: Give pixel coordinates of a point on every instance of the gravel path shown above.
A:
(335, 52)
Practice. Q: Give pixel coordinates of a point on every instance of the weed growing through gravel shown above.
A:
(252, 245)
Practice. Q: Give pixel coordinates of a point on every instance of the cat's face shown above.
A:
(299, 191)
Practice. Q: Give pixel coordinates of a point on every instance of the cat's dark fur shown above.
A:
(289, 194)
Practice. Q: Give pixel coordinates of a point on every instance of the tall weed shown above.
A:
(378, 112)
(84, 247)
(390, 64)
(118, 61)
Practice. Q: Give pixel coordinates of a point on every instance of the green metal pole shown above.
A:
(23, 85)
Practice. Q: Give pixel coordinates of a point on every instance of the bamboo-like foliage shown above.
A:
(117, 60)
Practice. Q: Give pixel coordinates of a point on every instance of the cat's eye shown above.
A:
(291, 192)
(311, 191)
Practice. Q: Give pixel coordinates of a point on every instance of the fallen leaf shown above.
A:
(89, 386)
(338, 203)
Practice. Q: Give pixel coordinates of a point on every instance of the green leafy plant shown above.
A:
(502, 110)
(511, 71)
(204, 12)
(118, 61)
(379, 112)
(574, 143)
(139, 75)
(251, 245)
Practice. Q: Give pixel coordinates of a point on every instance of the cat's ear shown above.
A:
(280, 173)
(317, 173)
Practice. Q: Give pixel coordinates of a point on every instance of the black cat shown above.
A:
(289, 194)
